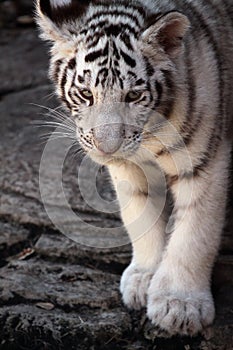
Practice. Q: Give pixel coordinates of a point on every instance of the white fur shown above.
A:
(145, 225)
(60, 3)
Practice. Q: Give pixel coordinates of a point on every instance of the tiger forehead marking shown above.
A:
(110, 41)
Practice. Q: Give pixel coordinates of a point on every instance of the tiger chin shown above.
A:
(148, 84)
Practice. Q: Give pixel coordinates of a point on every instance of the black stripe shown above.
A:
(79, 97)
(140, 82)
(113, 29)
(148, 87)
(106, 50)
(191, 81)
(128, 60)
(132, 6)
(188, 137)
(92, 41)
(202, 164)
(116, 72)
(101, 77)
(189, 132)
(103, 63)
(212, 147)
(68, 105)
(126, 40)
(115, 51)
(97, 81)
(114, 13)
(159, 89)
(70, 90)
(83, 32)
(97, 54)
(132, 74)
(87, 72)
(63, 83)
(72, 63)
(189, 125)
(56, 70)
(167, 104)
(81, 79)
(93, 56)
(103, 71)
(121, 83)
(72, 98)
(149, 68)
(172, 180)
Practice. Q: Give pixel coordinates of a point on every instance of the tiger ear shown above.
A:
(52, 14)
(168, 32)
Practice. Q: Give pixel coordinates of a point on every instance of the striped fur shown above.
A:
(149, 83)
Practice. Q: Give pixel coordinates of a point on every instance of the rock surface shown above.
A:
(56, 293)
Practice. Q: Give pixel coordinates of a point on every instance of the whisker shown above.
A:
(51, 139)
(60, 120)
(176, 147)
(158, 127)
(60, 134)
(157, 135)
(53, 111)
(55, 124)
(50, 96)
(76, 153)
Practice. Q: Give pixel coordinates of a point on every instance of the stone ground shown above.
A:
(55, 293)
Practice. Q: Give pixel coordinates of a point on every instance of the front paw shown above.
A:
(134, 286)
(179, 312)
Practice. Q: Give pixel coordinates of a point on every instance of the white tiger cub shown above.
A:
(169, 63)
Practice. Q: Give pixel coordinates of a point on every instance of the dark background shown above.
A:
(54, 293)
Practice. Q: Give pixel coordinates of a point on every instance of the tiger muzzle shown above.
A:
(108, 138)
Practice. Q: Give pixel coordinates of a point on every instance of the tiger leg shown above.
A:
(146, 230)
(179, 296)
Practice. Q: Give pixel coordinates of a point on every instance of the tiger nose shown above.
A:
(108, 139)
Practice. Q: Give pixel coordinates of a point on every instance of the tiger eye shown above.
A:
(86, 94)
(133, 96)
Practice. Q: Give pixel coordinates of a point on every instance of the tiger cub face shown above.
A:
(114, 67)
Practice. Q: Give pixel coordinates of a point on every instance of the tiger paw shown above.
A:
(179, 313)
(134, 286)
